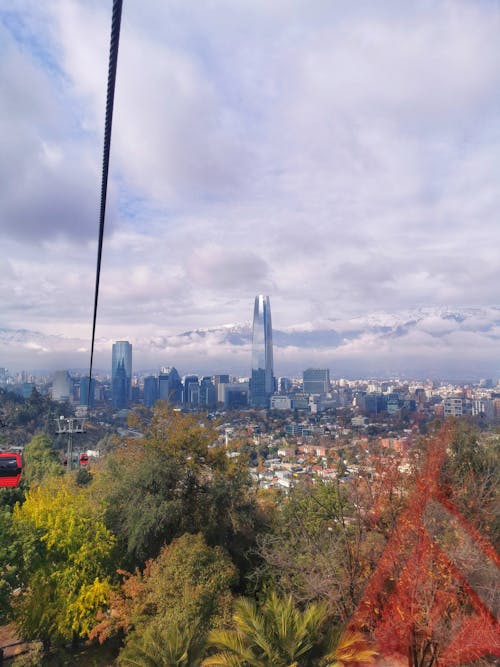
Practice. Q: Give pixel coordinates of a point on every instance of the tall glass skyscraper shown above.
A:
(86, 396)
(170, 385)
(262, 381)
(189, 394)
(150, 390)
(121, 373)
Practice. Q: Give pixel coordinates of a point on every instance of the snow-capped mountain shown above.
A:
(431, 342)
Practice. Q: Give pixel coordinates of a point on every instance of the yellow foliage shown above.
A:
(70, 557)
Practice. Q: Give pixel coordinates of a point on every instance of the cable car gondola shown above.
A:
(84, 459)
(11, 466)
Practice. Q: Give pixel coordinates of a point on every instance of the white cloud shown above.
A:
(341, 157)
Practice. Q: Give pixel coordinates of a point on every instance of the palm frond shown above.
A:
(351, 648)
(223, 659)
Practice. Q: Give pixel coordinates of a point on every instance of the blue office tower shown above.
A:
(119, 386)
(87, 397)
(207, 395)
(262, 380)
(121, 359)
(176, 387)
(150, 390)
(170, 386)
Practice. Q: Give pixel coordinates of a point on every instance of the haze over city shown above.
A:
(341, 157)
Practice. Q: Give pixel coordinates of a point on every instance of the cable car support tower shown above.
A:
(70, 426)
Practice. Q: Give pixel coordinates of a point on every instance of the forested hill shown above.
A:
(21, 418)
(167, 547)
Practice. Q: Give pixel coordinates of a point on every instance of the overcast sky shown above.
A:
(342, 157)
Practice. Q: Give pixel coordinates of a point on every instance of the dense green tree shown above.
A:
(9, 496)
(40, 459)
(10, 556)
(188, 585)
(23, 417)
(174, 481)
(83, 477)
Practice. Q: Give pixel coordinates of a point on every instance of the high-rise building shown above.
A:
(61, 386)
(150, 390)
(119, 386)
(176, 387)
(316, 381)
(170, 385)
(163, 386)
(207, 395)
(233, 394)
(284, 385)
(189, 382)
(193, 395)
(87, 397)
(262, 380)
(121, 372)
(221, 379)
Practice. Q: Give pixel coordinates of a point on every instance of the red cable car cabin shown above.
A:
(11, 466)
(84, 459)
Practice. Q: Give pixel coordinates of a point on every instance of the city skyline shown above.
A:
(341, 157)
(313, 394)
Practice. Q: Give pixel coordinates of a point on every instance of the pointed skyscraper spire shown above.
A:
(262, 382)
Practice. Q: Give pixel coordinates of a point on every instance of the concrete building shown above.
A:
(61, 386)
(453, 407)
(281, 403)
(316, 381)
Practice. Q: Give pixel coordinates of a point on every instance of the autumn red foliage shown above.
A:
(431, 599)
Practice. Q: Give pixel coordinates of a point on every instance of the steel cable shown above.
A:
(108, 123)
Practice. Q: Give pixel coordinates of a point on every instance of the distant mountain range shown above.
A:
(426, 342)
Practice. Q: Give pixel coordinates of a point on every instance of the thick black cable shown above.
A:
(110, 99)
